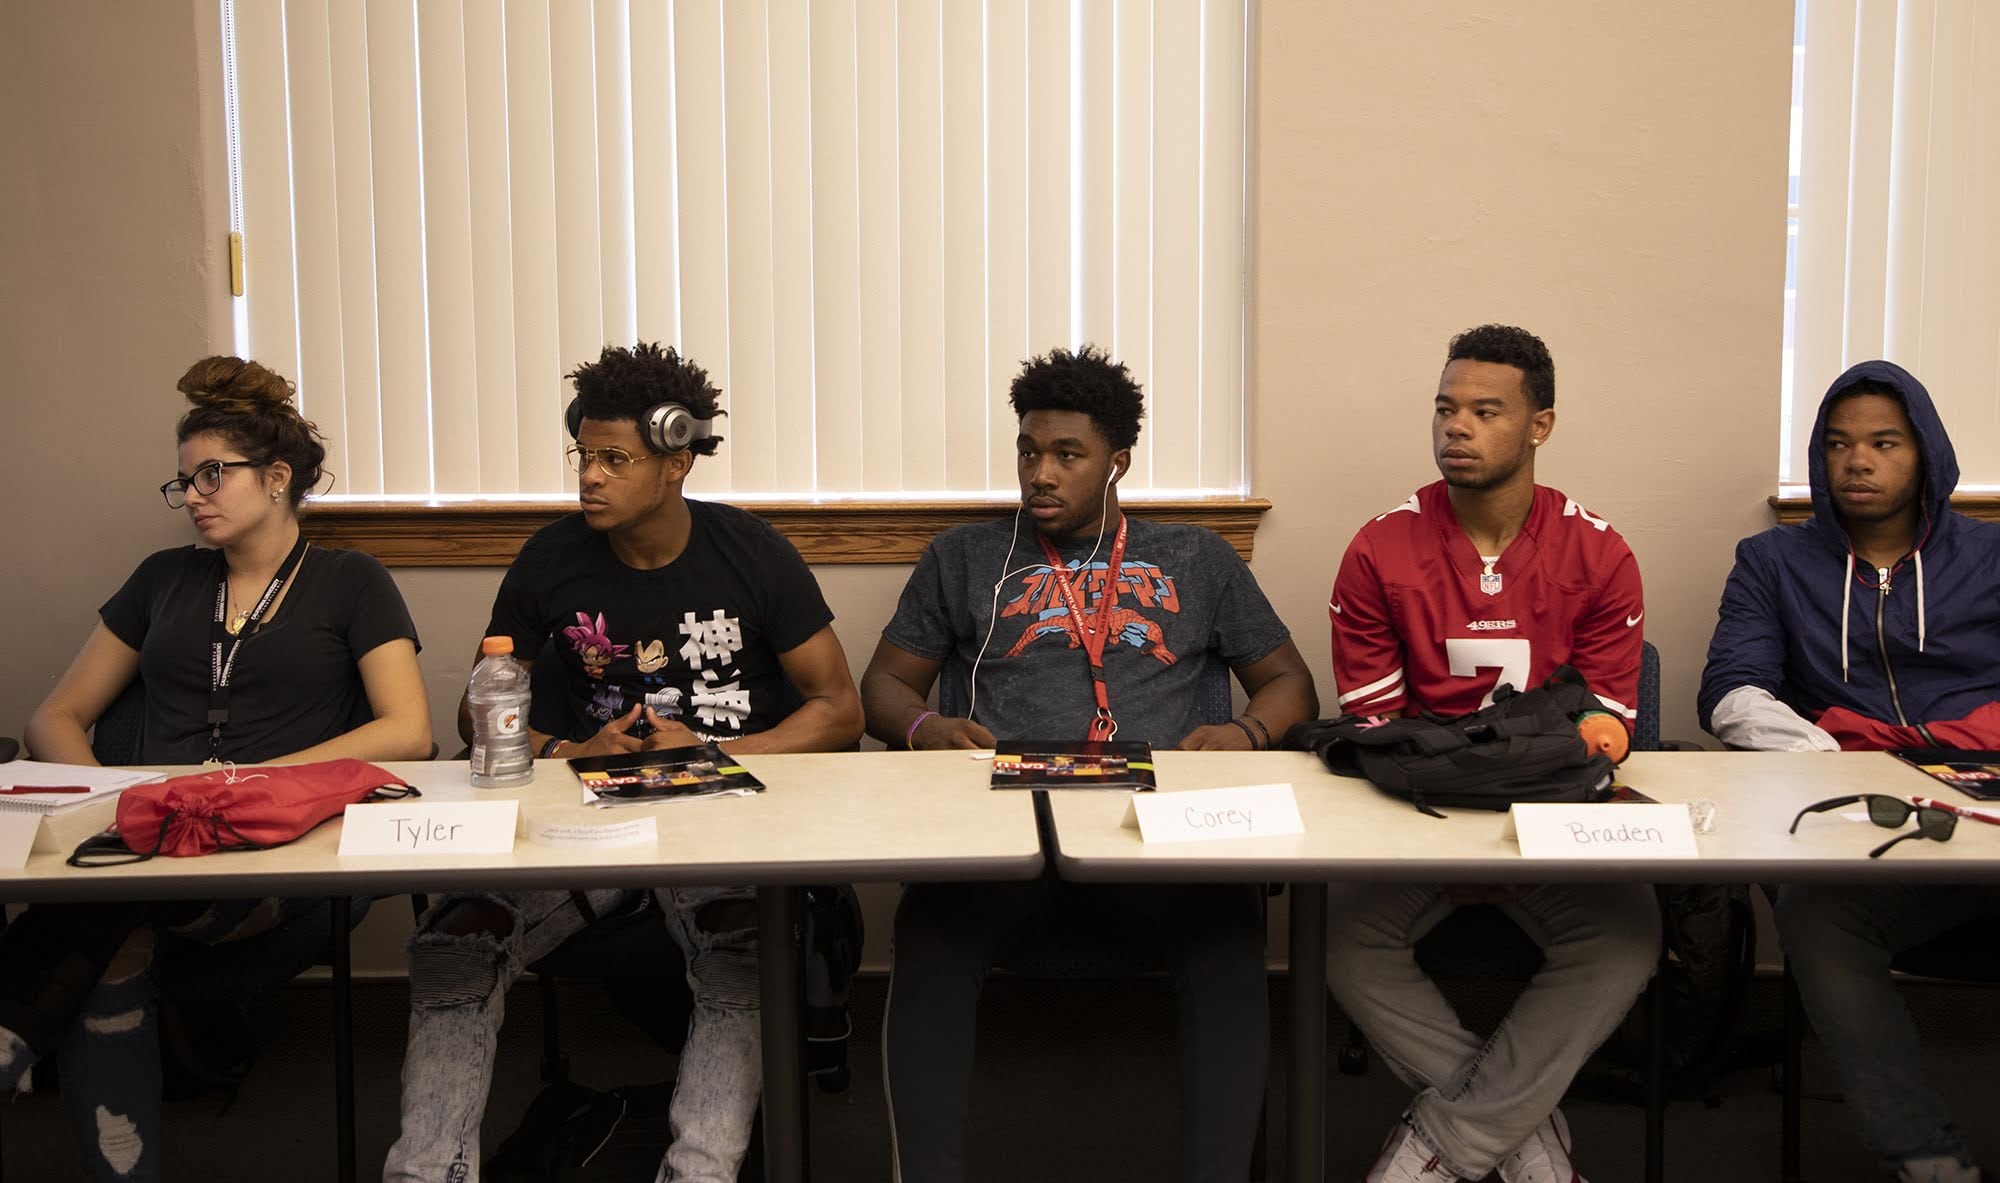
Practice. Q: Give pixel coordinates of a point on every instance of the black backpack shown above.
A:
(1524, 747)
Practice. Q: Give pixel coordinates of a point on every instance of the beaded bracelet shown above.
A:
(910, 736)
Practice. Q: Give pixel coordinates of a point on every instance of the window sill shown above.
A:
(1984, 506)
(490, 534)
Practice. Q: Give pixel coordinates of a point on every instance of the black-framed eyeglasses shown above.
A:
(206, 480)
(1890, 813)
(616, 462)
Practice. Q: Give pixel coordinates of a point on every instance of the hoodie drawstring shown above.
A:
(1918, 555)
(1846, 598)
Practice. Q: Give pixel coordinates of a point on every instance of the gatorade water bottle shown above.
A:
(498, 699)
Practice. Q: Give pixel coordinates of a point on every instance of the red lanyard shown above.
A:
(1093, 634)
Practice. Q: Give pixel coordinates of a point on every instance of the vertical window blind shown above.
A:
(1897, 145)
(858, 215)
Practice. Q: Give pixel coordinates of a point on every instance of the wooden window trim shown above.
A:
(490, 534)
(1984, 506)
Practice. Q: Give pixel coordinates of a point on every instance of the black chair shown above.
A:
(631, 953)
(115, 739)
(1072, 953)
(1968, 953)
(1481, 942)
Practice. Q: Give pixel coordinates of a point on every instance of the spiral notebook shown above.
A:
(32, 786)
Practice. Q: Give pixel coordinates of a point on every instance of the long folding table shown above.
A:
(829, 818)
(1354, 832)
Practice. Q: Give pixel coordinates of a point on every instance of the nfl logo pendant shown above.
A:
(1489, 581)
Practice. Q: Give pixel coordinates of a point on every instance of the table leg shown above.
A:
(343, 1038)
(1305, 1119)
(1656, 1075)
(779, 975)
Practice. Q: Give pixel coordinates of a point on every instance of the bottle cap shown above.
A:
(491, 645)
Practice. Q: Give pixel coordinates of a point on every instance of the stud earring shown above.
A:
(279, 494)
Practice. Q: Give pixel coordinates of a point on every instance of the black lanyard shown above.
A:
(1092, 634)
(222, 646)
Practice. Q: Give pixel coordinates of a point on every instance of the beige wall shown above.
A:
(1610, 176)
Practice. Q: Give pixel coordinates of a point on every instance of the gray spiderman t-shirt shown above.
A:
(1187, 607)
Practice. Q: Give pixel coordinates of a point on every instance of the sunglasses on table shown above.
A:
(1935, 819)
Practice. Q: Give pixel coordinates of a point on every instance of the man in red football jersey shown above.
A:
(1482, 578)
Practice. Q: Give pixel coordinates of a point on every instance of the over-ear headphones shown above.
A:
(666, 427)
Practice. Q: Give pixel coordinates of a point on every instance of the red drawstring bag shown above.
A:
(232, 808)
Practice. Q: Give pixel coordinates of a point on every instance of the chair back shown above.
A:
(115, 739)
(1646, 730)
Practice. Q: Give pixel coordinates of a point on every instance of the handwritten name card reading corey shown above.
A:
(421, 828)
(1604, 831)
(1199, 815)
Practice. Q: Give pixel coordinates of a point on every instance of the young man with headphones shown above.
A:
(675, 622)
(1072, 620)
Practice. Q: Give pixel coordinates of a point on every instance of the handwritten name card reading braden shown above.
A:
(420, 828)
(1604, 831)
(1198, 815)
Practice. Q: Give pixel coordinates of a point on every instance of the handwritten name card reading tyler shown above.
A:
(428, 828)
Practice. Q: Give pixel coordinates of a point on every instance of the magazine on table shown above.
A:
(1976, 774)
(1073, 764)
(670, 774)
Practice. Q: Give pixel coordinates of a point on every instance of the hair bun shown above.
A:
(230, 383)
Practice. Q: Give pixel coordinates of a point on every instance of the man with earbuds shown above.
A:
(1072, 620)
(675, 622)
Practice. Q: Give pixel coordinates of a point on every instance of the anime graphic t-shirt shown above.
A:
(697, 639)
(1185, 600)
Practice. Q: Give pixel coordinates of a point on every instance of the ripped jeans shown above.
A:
(110, 1054)
(458, 989)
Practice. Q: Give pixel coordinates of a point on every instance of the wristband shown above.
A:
(910, 736)
(1247, 733)
(549, 749)
(1260, 726)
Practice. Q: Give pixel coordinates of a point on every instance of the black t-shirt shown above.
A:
(296, 681)
(698, 639)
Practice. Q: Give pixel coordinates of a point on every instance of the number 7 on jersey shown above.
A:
(1509, 655)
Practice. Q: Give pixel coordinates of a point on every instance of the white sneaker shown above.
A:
(1544, 1157)
(1406, 1158)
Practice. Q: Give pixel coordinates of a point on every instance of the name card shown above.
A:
(1604, 831)
(435, 827)
(1201, 815)
(638, 831)
(17, 838)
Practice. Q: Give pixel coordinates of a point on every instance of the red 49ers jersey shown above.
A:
(1415, 627)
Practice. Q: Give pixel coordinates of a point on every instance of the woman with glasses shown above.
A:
(251, 647)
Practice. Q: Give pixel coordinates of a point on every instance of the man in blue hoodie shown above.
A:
(1876, 624)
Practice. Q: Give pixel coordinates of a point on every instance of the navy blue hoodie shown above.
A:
(1780, 626)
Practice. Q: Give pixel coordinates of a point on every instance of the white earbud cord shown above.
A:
(993, 611)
